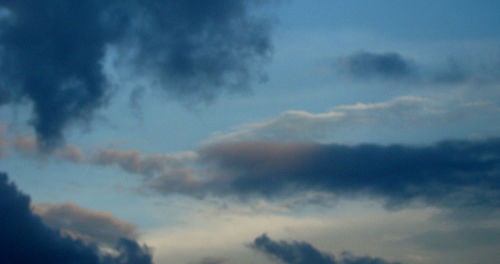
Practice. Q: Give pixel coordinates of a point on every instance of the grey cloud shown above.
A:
(52, 53)
(296, 252)
(24, 238)
(91, 226)
(449, 173)
(367, 65)
(394, 66)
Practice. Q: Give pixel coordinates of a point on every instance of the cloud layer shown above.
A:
(448, 173)
(52, 52)
(24, 238)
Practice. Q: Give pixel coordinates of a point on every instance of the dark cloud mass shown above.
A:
(51, 52)
(304, 253)
(449, 173)
(367, 65)
(25, 239)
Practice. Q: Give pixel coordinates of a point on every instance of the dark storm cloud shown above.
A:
(367, 65)
(449, 173)
(52, 52)
(25, 239)
(304, 253)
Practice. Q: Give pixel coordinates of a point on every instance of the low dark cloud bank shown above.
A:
(51, 52)
(447, 174)
(304, 253)
(25, 239)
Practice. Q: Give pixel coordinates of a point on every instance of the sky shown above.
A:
(238, 132)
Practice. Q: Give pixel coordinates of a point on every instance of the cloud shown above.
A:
(91, 226)
(450, 173)
(24, 238)
(52, 54)
(304, 253)
(341, 121)
(447, 174)
(387, 121)
(134, 161)
(367, 65)
(288, 126)
(364, 65)
(30, 147)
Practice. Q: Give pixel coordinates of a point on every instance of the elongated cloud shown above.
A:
(394, 66)
(449, 173)
(91, 226)
(52, 52)
(24, 238)
(304, 253)
(296, 126)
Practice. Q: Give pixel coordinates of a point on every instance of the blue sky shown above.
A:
(361, 126)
